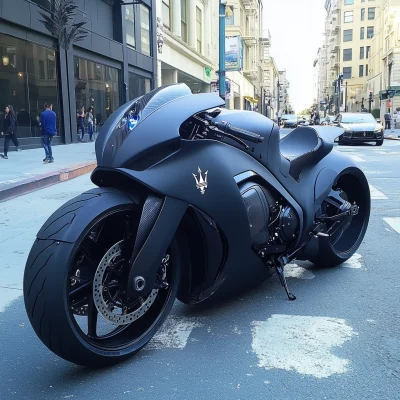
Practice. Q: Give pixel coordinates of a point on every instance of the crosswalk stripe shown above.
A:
(394, 223)
(376, 194)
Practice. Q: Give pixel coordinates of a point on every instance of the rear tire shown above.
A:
(48, 297)
(341, 248)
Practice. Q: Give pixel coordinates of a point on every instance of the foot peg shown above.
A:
(281, 273)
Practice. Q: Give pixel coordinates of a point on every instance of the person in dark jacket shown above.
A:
(9, 131)
(80, 117)
(48, 124)
(387, 120)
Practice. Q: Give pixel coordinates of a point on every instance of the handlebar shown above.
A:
(226, 127)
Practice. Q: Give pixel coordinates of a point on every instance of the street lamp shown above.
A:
(222, 72)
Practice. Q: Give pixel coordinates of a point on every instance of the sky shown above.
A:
(296, 28)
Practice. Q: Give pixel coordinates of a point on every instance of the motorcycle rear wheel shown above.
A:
(343, 245)
(59, 298)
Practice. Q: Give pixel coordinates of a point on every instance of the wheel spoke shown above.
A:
(92, 318)
(92, 251)
(82, 290)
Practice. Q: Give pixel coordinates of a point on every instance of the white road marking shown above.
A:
(376, 194)
(174, 333)
(301, 343)
(353, 262)
(294, 271)
(356, 158)
(394, 223)
(377, 172)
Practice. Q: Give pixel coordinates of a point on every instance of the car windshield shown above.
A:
(357, 118)
(289, 116)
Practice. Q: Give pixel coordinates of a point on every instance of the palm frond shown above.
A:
(59, 21)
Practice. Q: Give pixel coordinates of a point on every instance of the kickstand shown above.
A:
(281, 274)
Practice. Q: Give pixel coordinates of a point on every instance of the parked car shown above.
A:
(359, 127)
(289, 120)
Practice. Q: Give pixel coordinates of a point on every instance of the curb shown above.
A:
(20, 188)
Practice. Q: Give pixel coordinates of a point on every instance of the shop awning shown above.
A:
(251, 99)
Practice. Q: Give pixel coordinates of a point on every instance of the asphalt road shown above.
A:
(339, 340)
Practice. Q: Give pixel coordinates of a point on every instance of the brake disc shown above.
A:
(109, 311)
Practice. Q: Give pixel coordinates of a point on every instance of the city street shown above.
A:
(339, 340)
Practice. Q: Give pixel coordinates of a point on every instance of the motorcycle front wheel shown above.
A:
(75, 293)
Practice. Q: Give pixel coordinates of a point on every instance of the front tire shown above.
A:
(379, 142)
(59, 294)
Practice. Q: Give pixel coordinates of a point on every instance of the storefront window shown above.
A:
(138, 86)
(145, 30)
(97, 86)
(28, 79)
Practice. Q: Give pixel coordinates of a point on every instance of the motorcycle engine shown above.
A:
(272, 220)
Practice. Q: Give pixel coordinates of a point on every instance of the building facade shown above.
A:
(350, 28)
(244, 54)
(284, 105)
(114, 63)
(270, 80)
(187, 35)
(384, 59)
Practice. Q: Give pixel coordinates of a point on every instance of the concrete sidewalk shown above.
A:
(393, 134)
(25, 171)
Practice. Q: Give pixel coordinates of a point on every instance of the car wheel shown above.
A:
(379, 142)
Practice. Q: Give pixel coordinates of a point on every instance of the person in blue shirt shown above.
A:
(48, 124)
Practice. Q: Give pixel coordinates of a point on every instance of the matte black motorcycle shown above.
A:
(192, 201)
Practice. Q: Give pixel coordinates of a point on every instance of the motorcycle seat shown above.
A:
(303, 147)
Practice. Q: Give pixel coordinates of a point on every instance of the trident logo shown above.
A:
(201, 183)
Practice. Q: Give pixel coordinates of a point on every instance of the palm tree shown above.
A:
(59, 21)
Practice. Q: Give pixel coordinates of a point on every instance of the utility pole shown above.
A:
(345, 104)
(221, 72)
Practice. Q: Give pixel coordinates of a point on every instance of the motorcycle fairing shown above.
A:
(175, 177)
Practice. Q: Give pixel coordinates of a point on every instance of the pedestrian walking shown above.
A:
(9, 131)
(387, 120)
(48, 124)
(89, 120)
(80, 117)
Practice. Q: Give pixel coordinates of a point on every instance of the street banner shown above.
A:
(233, 53)
(228, 88)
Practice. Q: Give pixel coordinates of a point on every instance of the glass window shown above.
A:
(361, 53)
(346, 72)
(368, 50)
(166, 13)
(145, 30)
(361, 71)
(130, 25)
(43, 3)
(362, 32)
(28, 79)
(184, 31)
(370, 32)
(366, 70)
(348, 16)
(97, 86)
(347, 54)
(362, 14)
(348, 2)
(371, 13)
(138, 86)
(348, 35)
(199, 23)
